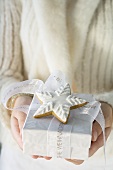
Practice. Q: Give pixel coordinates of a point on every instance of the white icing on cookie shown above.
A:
(62, 112)
(44, 95)
(57, 103)
(74, 100)
(43, 109)
(63, 90)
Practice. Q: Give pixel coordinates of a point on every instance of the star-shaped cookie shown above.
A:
(58, 103)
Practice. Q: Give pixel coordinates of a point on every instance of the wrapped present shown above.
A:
(47, 136)
(58, 123)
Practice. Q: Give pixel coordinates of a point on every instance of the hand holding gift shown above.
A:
(97, 135)
(71, 133)
(18, 119)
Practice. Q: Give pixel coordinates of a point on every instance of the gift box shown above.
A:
(47, 136)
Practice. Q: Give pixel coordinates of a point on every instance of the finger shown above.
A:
(34, 156)
(47, 158)
(99, 142)
(107, 111)
(16, 131)
(20, 116)
(74, 161)
(96, 131)
(21, 121)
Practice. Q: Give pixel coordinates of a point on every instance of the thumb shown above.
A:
(21, 121)
(96, 131)
(17, 122)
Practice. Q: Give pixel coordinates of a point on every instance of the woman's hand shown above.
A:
(18, 119)
(97, 135)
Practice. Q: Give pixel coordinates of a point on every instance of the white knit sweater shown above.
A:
(37, 37)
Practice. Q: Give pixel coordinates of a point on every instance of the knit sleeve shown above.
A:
(10, 49)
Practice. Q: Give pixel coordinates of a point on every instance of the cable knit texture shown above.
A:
(37, 37)
(10, 48)
(65, 35)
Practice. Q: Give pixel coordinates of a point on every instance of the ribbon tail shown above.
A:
(100, 119)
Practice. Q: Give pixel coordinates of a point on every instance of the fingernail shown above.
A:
(95, 135)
